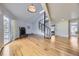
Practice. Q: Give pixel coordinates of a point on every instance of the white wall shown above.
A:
(13, 29)
(3, 11)
(23, 23)
(35, 25)
(1, 29)
(62, 28)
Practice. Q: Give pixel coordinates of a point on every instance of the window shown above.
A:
(6, 29)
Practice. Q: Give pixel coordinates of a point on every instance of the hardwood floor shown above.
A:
(38, 46)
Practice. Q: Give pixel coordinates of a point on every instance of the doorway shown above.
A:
(74, 33)
(74, 28)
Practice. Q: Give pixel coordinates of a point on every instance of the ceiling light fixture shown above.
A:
(32, 8)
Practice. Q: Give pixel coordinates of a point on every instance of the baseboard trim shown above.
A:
(61, 36)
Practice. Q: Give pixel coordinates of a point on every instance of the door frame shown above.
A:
(69, 28)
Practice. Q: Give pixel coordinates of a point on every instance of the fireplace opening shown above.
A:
(22, 31)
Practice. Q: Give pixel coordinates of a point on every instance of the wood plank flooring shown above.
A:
(38, 46)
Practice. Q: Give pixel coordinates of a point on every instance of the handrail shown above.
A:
(47, 29)
(45, 25)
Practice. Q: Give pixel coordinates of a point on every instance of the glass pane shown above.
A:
(6, 29)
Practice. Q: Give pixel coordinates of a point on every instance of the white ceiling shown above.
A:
(59, 11)
(20, 10)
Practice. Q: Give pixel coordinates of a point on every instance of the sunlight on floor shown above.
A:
(52, 42)
(6, 51)
(52, 38)
(74, 42)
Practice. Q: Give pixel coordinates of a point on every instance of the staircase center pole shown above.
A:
(44, 24)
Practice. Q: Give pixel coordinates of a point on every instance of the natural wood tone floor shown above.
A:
(38, 46)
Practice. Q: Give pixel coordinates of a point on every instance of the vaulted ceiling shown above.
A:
(20, 11)
(57, 11)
